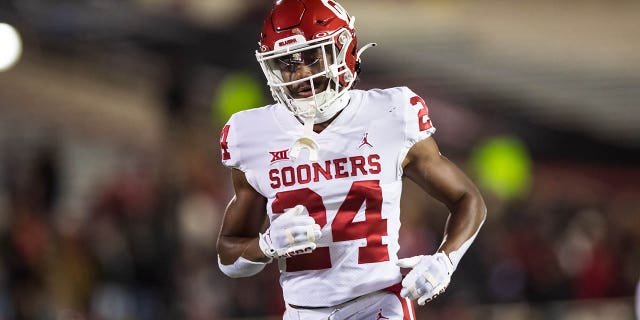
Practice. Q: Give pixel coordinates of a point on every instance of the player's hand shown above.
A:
(290, 234)
(429, 277)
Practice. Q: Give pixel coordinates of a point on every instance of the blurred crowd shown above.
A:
(144, 245)
(133, 235)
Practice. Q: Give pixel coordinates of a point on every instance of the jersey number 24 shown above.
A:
(343, 228)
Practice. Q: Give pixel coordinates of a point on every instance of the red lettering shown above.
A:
(326, 172)
(374, 165)
(275, 178)
(318, 259)
(424, 122)
(224, 145)
(372, 228)
(286, 42)
(357, 163)
(343, 228)
(289, 180)
(307, 178)
(279, 155)
(340, 169)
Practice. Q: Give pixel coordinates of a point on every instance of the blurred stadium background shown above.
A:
(111, 191)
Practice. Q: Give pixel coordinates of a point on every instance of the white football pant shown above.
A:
(380, 305)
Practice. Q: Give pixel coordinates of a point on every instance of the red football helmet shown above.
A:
(310, 32)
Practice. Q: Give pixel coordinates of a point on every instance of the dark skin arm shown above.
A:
(443, 180)
(244, 218)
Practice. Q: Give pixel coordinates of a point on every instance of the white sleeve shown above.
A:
(418, 125)
(416, 119)
(230, 141)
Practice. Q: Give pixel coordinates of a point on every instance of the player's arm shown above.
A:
(443, 180)
(238, 252)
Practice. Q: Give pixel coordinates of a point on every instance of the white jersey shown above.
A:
(352, 191)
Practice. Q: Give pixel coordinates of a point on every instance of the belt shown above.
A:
(338, 306)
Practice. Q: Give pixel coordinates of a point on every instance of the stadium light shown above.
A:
(237, 91)
(503, 165)
(10, 46)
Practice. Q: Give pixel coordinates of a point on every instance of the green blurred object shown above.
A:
(502, 165)
(236, 92)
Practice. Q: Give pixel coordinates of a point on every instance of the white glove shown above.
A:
(290, 234)
(429, 277)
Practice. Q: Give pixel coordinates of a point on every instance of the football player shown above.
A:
(325, 163)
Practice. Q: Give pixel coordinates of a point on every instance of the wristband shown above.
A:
(242, 267)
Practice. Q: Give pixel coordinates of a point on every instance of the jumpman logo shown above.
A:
(380, 316)
(365, 141)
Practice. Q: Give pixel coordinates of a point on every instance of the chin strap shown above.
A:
(305, 142)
